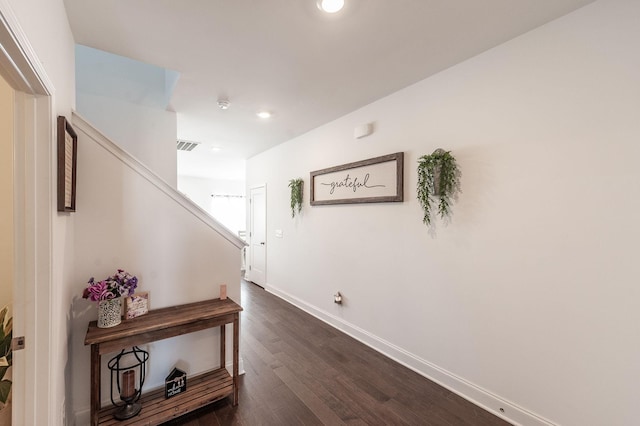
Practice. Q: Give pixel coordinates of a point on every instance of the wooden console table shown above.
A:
(160, 324)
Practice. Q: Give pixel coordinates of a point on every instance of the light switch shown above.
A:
(278, 233)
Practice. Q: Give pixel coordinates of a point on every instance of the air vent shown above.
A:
(186, 145)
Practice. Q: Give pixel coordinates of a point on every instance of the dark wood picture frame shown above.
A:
(67, 162)
(394, 181)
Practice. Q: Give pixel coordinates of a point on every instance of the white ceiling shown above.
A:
(286, 56)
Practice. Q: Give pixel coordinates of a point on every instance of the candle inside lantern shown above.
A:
(128, 384)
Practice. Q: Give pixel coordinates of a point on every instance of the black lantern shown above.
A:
(126, 367)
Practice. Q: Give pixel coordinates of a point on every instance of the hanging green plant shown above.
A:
(296, 195)
(438, 176)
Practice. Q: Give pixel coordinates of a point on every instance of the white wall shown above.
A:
(50, 43)
(200, 191)
(149, 134)
(46, 26)
(127, 222)
(528, 300)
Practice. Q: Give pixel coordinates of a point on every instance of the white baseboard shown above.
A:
(82, 418)
(469, 391)
(229, 366)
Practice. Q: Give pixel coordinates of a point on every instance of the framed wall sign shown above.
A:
(376, 180)
(136, 305)
(67, 158)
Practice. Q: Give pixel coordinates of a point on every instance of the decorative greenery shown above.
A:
(6, 358)
(118, 285)
(438, 176)
(296, 195)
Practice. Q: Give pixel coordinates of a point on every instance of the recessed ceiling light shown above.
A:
(223, 104)
(330, 6)
(264, 114)
(215, 149)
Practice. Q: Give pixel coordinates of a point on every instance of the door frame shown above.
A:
(34, 133)
(250, 219)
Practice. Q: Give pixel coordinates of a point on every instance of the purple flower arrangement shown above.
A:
(119, 285)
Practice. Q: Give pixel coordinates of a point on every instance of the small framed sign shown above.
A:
(175, 383)
(67, 161)
(376, 180)
(136, 305)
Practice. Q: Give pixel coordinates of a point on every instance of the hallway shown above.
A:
(300, 371)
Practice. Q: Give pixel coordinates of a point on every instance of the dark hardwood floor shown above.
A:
(300, 371)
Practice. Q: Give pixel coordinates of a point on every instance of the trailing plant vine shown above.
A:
(6, 359)
(296, 196)
(438, 176)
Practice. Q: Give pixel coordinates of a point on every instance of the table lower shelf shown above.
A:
(201, 390)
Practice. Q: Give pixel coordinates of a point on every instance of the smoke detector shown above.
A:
(224, 104)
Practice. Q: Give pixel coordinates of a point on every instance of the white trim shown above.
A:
(80, 124)
(229, 367)
(470, 391)
(20, 297)
(42, 187)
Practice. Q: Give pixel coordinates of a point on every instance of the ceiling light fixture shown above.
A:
(330, 6)
(223, 104)
(264, 114)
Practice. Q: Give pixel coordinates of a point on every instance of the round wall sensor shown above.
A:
(223, 104)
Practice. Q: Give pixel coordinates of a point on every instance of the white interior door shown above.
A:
(31, 399)
(6, 247)
(256, 272)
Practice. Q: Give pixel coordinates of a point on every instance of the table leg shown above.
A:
(236, 350)
(95, 384)
(223, 343)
